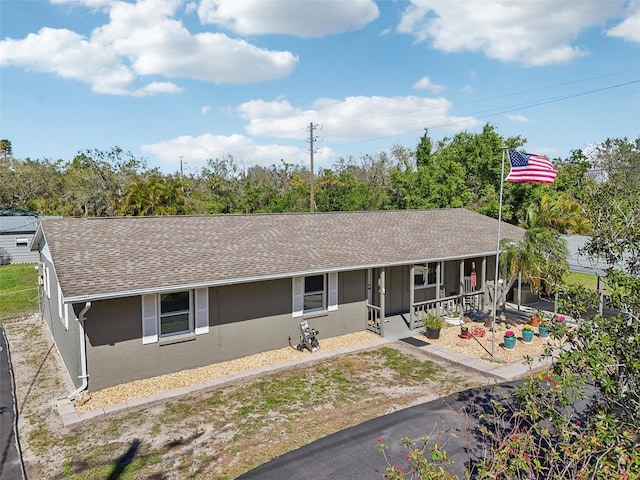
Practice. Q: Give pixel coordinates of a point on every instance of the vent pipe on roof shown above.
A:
(83, 353)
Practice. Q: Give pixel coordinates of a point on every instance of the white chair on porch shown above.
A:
(470, 301)
(449, 305)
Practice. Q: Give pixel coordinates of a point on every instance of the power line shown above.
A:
(500, 112)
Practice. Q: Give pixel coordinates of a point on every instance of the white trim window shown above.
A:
(46, 285)
(315, 293)
(172, 314)
(176, 313)
(60, 303)
(424, 275)
(22, 242)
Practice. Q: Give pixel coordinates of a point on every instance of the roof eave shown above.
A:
(260, 278)
(37, 238)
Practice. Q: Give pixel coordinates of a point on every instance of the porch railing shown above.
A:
(470, 301)
(374, 316)
(436, 306)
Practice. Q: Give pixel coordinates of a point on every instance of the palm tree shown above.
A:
(561, 214)
(541, 259)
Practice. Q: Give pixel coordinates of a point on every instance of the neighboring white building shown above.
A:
(17, 228)
(579, 262)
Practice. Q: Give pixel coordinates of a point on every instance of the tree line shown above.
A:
(459, 171)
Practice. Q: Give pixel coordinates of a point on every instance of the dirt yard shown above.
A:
(222, 432)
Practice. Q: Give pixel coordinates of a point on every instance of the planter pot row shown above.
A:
(527, 337)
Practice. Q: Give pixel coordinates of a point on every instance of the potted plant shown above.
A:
(453, 318)
(543, 330)
(509, 340)
(536, 318)
(432, 325)
(527, 334)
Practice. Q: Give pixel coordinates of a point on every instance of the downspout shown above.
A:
(83, 353)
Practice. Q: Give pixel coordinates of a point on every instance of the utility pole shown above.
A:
(312, 181)
(181, 175)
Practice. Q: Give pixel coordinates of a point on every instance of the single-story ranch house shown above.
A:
(129, 298)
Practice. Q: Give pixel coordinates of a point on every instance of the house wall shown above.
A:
(10, 253)
(66, 340)
(243, 320)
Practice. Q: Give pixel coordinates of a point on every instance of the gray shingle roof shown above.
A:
(108, 257)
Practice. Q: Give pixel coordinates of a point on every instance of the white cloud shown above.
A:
(426, 84)
(195, 151)
(143, 39)
(204, 110)
(354, 118)
(160, 45)
(302, 18)
(517, 118)
(84, 3)
(527, 32)
(154, 88)
(70, 56)
(628, 29)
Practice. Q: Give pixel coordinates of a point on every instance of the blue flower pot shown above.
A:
(509, 343)
(527, 336)
(543, 332)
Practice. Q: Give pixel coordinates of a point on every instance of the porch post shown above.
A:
(483, 279)
(412, 296)
(382, 290)
(461, 290)
(519, 289)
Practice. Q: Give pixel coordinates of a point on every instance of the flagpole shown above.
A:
(495, 286)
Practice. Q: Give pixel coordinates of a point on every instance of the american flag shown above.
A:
(530, 168)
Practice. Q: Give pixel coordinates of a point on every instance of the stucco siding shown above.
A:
(243, 320)
(66, 340)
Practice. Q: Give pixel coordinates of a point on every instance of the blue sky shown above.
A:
(204, 79)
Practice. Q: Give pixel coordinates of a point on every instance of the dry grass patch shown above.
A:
(223, 432)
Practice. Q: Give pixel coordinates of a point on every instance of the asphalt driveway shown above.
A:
(10, 459)
(353, 453)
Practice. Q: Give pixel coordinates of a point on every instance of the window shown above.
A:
(45, 282)
(431, 273)
(175, 313)
(22, 242)
(425, 275)
(315, 293)
(418, 275)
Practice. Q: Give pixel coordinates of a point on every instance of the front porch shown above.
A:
(406, 294)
